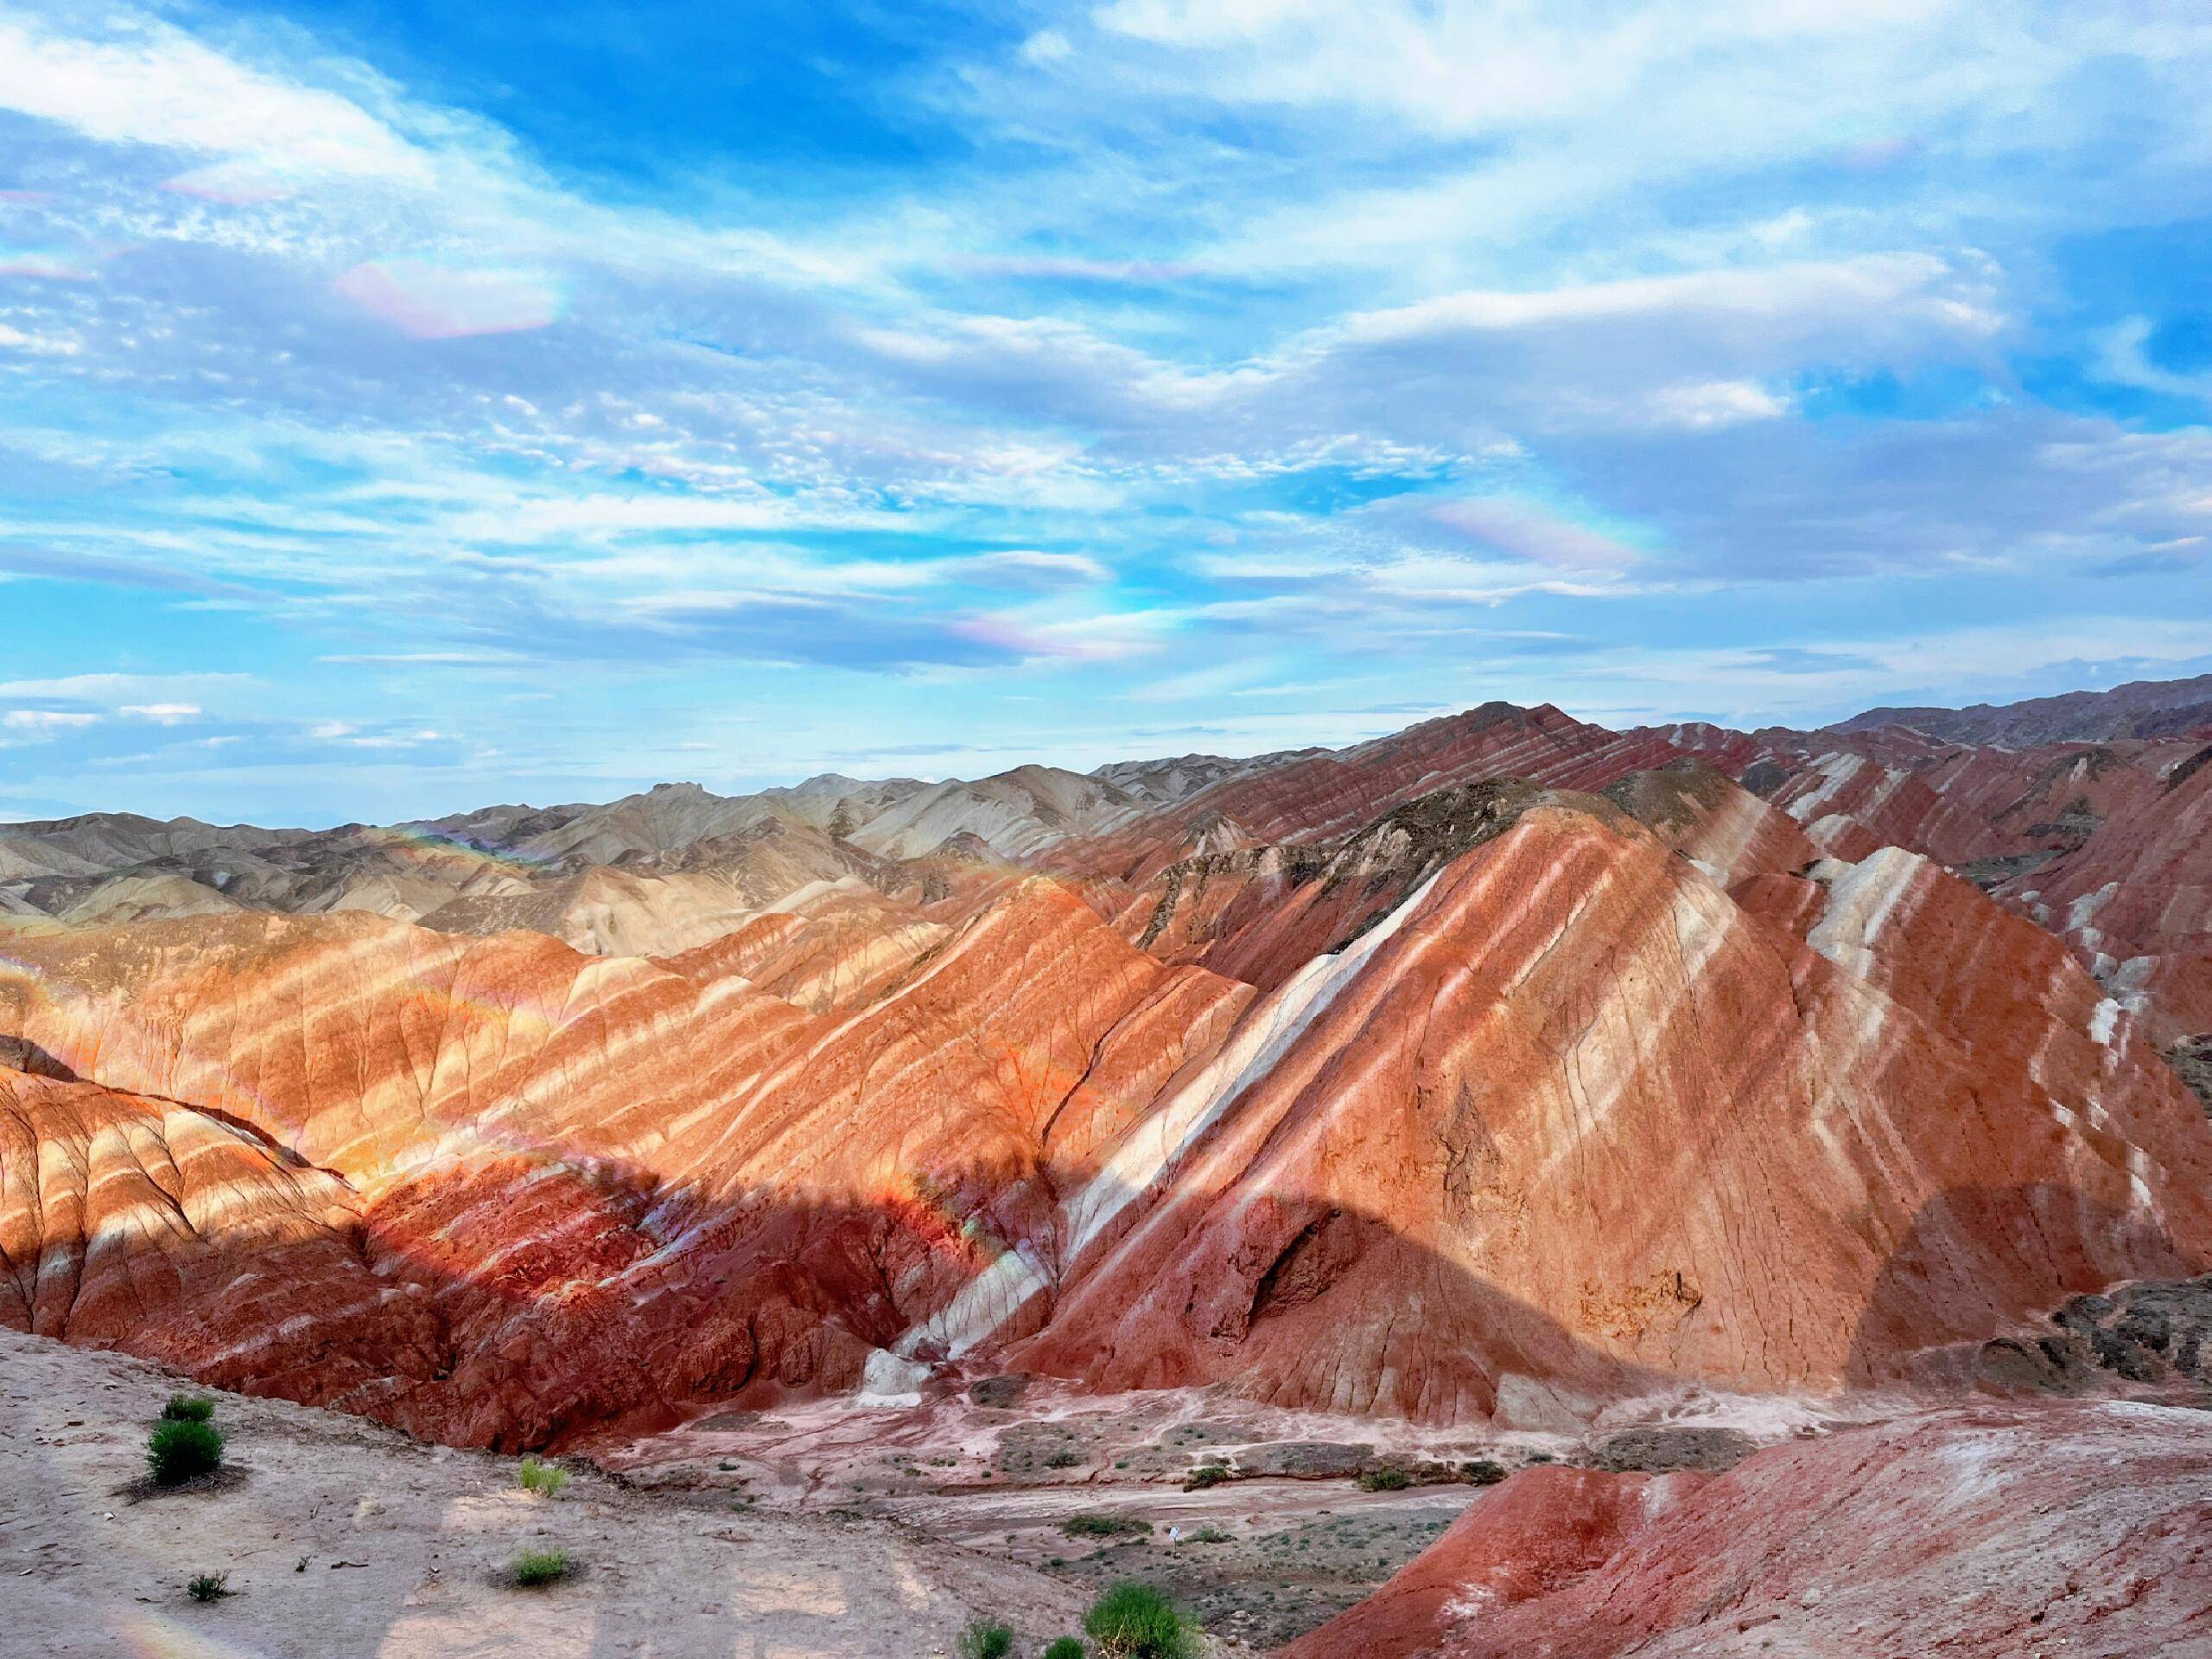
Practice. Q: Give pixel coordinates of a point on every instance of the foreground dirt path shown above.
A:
(345, 1539)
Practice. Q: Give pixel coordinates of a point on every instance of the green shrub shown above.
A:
(1385, 1480)
(1103, 1526)
(541, 1479)
(208, 1586)
(176, 1451)
(1205, 1475)
(1210, 1535)
(1482, 1472)
(534, 1568)
(187, 1408)
(1135, 1621)
(1064, 1458)
(986, 1640)
(1066, 1647)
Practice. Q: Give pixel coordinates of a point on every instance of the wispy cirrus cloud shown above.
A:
(1139, 355)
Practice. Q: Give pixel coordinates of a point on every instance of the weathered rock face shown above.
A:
(789, 1192)
(1987, 1533)
(1850, 805)
(1404, 1080)
(1545, 1528)
(1521, 1141)
(1261, 913)
(1333, 795)
(118, 1213)
(2135, 899)
(2104, 841)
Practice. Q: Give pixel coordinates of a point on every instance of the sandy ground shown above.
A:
(341, 1538)
(1258, 1558)
(816, 1529)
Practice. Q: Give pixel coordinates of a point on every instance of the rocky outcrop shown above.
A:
(1410, 1080)
(612, 1186)
(1987, 1533)
(1518, 1143)
(1327, 796)
(2135, 901)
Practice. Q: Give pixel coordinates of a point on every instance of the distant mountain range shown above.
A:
(2139, 708)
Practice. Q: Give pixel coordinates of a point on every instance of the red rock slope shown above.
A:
(1571, 1116)
(615, 1186)
(2136, 899)
(1545, 1117)
(1333, 794)
(1993, 1532)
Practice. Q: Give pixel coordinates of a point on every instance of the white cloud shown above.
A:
(166, 713)
(45, 722)
(1046, 46)
(143, 82)
(599, 516)
(1716, 402)
(1026, 568)
(112, 691)
(1790, 301)
(15, 339)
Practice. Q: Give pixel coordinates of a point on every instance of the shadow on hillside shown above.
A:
(528, 1302)
(21, 1054)
(533, 1302)
(1979, 1263)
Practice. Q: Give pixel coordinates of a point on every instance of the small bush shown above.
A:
(1066, 1647)
(176, 1451)
(1209, 1535)
(1135, 1621)
(1064, 1459)
(1385, 1480)
(1103, 1526)
(208, 1586)
(541, 1479)
(187, 1408)
(1482, 1472)
(534, 1568)
(986, 1640)
(1205, 1475)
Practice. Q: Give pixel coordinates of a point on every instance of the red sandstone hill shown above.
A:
(1499, 1102)
(1502, 1071)
(1407, 1079)
(1507, 1142)
(1988, 1534)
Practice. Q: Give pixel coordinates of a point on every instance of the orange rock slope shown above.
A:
(1511, 1103)
(612, 1185)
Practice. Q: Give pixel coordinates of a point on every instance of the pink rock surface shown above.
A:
(1992, 1532)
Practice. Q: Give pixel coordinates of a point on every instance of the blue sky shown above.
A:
(405, 407)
